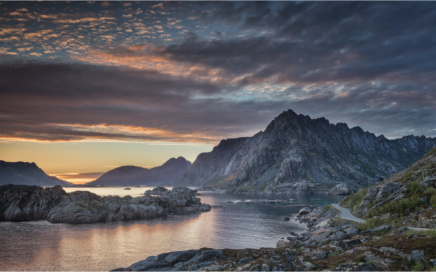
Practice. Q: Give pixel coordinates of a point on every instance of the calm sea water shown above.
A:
(237, 222)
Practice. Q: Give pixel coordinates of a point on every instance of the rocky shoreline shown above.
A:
(330, 243)
(30, 203)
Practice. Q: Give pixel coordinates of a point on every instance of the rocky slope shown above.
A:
(386, 241)
(408, 198)
(329, 244)
(25, 173)
(167, 174)
(297, 153)
(28, 203)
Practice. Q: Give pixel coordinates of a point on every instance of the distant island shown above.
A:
(31, 203)
(167, 174)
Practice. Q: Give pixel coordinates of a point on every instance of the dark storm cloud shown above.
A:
(364, 63)
(319, 41)
(67, 102)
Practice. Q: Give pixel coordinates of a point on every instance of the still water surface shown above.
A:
(237, 222)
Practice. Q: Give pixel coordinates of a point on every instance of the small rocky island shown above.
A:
(30, 203)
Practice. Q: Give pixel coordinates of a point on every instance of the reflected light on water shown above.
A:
(236, 223)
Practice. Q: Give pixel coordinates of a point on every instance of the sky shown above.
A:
(89, 86)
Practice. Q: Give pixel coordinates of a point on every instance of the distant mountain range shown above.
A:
(298, 154)
(294, 154)
(167, 174)
(25, 173)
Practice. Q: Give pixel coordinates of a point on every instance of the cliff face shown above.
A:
(297, 153)
(167, 174)
(25, 173)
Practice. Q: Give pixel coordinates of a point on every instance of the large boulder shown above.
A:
(304, 210)
(339, 189)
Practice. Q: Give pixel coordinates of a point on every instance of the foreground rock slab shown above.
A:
(29, 203)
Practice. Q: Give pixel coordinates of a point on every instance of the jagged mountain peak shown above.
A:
(295, 149)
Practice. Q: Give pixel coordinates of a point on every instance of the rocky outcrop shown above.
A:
(27, 203)
(335, 244)
(329, 244)
(298, 154)
(25, 173)
(167, 174)
(339, 189)
(189, 260)
(176, 190)
(408, 197)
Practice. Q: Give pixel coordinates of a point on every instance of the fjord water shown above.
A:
(235, 222)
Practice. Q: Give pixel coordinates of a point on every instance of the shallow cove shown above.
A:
(238, 222)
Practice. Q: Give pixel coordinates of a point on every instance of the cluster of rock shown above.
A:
(329, 243)
(264, 259)
(297, 154)
(28, 203)
(415, 187)
(340, 189)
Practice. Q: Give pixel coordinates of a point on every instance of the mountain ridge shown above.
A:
(166, 174)
(296, 153)
(26, 173)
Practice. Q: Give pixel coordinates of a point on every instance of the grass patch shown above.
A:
(419, 266)
(371, 223)
(354, 200)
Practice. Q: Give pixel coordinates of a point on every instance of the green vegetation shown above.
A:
(372, 223)
(431, 153)
(352, 201)
(397, 207)
(240, 255)
(431, 193)
(335, 253)
(419, 266)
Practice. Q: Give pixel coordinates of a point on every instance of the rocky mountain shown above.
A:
(25, 173)
(408, 198)
(296, 153)
(167, 174)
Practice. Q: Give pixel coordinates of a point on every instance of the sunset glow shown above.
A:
(89, 85)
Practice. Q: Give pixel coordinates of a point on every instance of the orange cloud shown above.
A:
(113, 133)
(140, 59)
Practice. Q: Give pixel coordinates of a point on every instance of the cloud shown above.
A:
(233, 67)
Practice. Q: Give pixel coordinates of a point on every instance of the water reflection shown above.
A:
(252, 224)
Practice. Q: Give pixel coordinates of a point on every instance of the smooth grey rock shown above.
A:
(265, 267)
(418, 255)
(339, 189)
(379, 228)
(180, 256)
(282, 243)
(245, 260)
(387, 188)
(255, 267)
(304, 210)
(346, 244)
